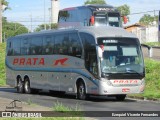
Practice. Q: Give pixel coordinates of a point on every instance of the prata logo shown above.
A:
(60, 62)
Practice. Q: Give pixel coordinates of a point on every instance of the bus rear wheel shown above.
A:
(120, 97)
(27, 88)
(20, 86)
(81, 91)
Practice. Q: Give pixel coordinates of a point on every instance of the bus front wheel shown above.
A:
(81, 91)
(27, 88)
(20, 86)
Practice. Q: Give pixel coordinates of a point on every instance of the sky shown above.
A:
(31, 12)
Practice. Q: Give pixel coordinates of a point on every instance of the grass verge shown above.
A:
(156, 44)
(152, 79)
(2, 64)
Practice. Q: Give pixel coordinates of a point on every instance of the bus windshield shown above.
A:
(114, 19)
(111, 19)
(121, 55)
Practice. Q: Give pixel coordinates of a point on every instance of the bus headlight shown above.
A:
(109, 83)
(143, 82)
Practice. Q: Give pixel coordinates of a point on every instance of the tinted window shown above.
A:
(25, 46)
(16, 46)
(48, 45)
(90, 55)
(61, 44)
(75, 45)
(63, 16)
(9, 48)
(87, 40)
(36, 46)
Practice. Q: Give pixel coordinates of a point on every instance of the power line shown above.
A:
(144, 12)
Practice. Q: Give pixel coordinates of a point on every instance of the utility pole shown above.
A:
(44, 15)
(31, 22)
(0, 21)
(159, 27)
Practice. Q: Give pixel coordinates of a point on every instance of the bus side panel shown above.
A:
(54, 81)
(10, 77)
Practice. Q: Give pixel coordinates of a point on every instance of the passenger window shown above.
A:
(25, 46)
(48, 43)
(16, 46)
(36, 46)
(9, 48)
(61, 44)
(75, 48)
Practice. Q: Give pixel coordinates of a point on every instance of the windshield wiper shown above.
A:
(133, 71)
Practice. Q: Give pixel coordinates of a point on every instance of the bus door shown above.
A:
(90, 56)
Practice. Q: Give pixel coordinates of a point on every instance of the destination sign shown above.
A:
(104, 9)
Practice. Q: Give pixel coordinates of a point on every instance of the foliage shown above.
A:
(12, 29)
(156, 44)
(59, 107)
(2, 64)
(4, 2)
(124, 10)
(95, 2)
(152, 88)
(48, 26)
(148, 19)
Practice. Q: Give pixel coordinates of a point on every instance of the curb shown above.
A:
(144, 99)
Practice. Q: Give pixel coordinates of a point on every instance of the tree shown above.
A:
(4, 2)
(148, 20)
(48, 26)
(12, 29)
(124, 10)
(95, 2)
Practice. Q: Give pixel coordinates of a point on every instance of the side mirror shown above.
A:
(125, 19)
(100, 52)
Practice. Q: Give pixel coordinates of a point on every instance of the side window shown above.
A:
(87, 40)
(36, 46)
(61, 44)
(9, 48)
(25, 46)
(63, 16)
(16, 46)
(48, 43)
(75, 48)
(90, 56)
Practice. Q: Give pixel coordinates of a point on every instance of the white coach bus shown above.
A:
(85, 61)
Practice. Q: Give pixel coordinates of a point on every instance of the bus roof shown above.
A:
(107, 31)
(97, 31)
(90, 6)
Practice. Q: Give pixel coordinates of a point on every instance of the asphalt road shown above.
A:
(94, 104)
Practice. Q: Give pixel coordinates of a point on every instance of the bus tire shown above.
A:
(120, 97)
(27, 88)
(20, 85)
(81, 91)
